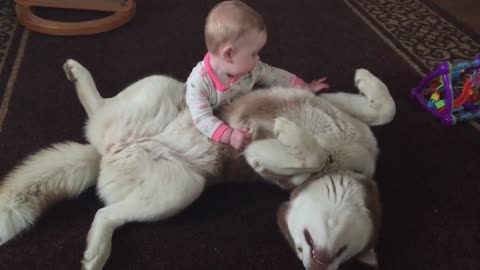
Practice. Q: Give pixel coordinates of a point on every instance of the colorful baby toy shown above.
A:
(451, 92)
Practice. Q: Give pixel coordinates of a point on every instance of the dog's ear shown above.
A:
(374, 206)
(282, 213)
(369, 259)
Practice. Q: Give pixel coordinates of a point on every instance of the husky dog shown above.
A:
(144, 153)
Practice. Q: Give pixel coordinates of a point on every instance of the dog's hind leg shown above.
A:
(85, 86)
(374, 105)
(161, 190)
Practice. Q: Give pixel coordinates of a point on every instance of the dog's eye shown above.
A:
(300, 249)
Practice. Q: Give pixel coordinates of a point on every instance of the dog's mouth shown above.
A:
(321, 258)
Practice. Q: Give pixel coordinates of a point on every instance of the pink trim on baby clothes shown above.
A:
(216, 82)
(298, 82)
(217, 135)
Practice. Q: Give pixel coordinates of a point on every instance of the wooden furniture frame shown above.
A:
(123, 12)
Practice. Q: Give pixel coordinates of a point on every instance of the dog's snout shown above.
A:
(321, 256)
(320, 260)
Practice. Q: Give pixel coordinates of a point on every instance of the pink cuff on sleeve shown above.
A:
(217, 135)
(298, 82)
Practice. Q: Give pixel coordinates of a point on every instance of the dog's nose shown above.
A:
(321, 257)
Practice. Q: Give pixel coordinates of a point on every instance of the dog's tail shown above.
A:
(62, 171)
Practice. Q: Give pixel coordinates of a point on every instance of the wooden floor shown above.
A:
(467, 11)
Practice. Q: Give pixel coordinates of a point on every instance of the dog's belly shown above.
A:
(137, 155)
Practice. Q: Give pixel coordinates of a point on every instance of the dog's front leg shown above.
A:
(272, 156)
(301, 144)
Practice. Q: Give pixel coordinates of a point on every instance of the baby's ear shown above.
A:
(227, 54)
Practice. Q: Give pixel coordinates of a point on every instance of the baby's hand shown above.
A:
(317, 85)
(240, 138)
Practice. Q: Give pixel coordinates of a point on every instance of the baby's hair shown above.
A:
(229, 20)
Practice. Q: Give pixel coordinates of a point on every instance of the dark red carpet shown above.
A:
(428, 174)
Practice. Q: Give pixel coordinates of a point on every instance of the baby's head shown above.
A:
(235, 33)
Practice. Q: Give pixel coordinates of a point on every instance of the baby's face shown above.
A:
(246, 50)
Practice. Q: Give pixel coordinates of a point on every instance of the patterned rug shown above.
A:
(10, 49)
(418, 31)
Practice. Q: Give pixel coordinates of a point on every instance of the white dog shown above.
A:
(149, 162)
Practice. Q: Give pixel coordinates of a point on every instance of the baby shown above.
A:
(234, 35)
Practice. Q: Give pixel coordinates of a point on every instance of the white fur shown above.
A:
(293, 151)
(333, 210)
(328, 133)
(154, 163)
(61, 171)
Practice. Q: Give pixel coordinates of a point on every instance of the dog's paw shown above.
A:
(370, 86)
(99, 245)
(377, 94)
(285, 131)
(255, 164)
(282, 126)
(362, 75)
(75, 71)
(69, 69)
(95, 257)
(288, 134)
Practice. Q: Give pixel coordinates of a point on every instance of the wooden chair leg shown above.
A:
(27, 18)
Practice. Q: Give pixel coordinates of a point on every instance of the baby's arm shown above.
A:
(205, 121)
(270, 76)
(197, 98)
